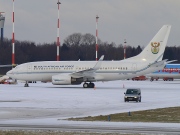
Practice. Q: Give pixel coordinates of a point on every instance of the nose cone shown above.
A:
(9, 73)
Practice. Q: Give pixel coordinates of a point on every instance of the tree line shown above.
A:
(75, 47)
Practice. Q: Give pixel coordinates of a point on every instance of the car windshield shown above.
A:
(131, 91)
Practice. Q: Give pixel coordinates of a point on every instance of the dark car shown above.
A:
(132, 94)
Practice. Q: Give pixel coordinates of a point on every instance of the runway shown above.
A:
(45, 106)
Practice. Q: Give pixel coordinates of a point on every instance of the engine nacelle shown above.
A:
(65, 79)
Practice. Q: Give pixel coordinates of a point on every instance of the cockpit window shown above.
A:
(20, 67)
(16, 67)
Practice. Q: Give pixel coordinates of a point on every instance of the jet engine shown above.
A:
(65, 79)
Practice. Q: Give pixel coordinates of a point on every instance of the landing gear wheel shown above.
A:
(91, 85)
(88, 85)
(26, 84)
(85, 85)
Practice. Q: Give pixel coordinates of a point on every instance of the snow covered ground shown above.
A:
(46, 102)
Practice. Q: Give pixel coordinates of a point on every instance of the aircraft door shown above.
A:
(29, 68)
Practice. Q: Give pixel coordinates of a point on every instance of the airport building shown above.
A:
(2, 20)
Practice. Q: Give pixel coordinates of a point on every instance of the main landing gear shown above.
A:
(26, 84)
(88, 85)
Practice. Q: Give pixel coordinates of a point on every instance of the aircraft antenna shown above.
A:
(58, 37)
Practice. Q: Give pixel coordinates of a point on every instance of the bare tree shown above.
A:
(88, 39)
(73, 39)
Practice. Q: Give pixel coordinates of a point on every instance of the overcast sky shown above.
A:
(137, 21)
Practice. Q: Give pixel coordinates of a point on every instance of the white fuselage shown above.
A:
(109, 70)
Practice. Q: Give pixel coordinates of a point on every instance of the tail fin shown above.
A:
(155, 49)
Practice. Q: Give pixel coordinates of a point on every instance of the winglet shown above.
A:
(101, 58)
(98, 64)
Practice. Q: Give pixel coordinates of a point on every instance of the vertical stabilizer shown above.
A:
(155, 49)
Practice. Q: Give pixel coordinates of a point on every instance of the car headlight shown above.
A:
(125, 97)
(135, 97)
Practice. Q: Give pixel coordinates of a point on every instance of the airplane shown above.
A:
(169, 72)
(87, 72)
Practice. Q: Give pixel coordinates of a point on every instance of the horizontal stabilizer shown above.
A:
(170, 61)
(159, 63)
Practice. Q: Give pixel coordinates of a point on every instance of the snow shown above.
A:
(42, 102)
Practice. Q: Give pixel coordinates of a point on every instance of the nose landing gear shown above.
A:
(26, 84)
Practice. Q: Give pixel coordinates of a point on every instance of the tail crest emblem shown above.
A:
(155, 47)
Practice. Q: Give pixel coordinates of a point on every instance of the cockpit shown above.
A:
(18, 69)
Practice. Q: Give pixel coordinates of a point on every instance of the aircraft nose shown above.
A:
(9, 73)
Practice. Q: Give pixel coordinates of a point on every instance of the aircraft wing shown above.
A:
(6, 66)
(89, 73)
